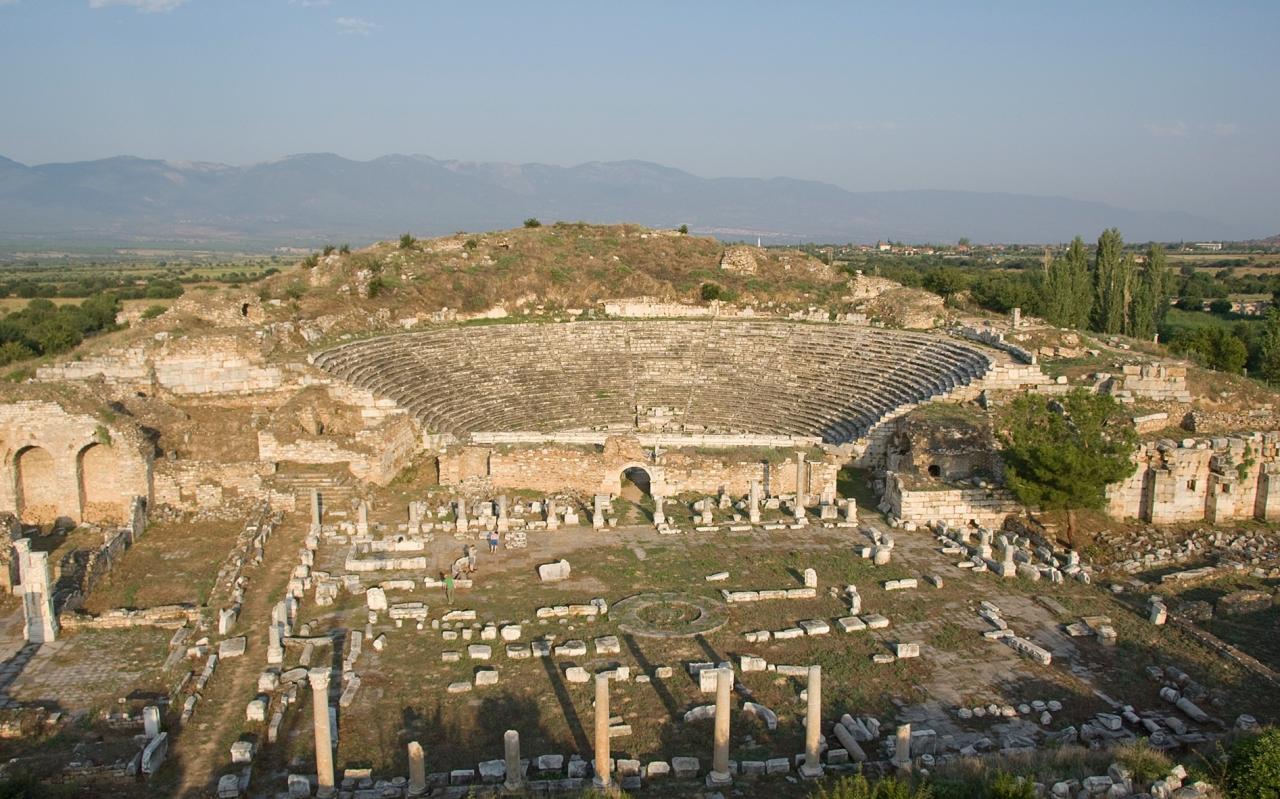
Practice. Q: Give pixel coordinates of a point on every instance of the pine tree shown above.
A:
(1061, 455)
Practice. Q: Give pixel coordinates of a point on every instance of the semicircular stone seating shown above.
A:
(733, 376)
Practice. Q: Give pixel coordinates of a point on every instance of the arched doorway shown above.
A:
(99, 499)
(36, 479)
(636, 484)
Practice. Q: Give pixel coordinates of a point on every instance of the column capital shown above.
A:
(319, 678)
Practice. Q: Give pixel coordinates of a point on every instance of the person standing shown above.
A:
(448, 589)
(471, 559)
(493, 542)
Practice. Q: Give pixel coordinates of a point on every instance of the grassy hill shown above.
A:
(551, 268)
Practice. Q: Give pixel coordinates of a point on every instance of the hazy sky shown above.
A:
(1156, 105)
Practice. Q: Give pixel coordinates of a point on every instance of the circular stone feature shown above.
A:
(669, 615)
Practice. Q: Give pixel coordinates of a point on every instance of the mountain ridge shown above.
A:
(307, 197)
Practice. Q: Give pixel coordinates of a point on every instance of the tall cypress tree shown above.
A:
(1080, 291)
(1109, 283)
(1152, 289)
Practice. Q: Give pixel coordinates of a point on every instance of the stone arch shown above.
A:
(639, 477)
(614, 478)
(95, 472)
(36, 484)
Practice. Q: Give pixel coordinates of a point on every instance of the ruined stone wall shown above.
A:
(556, 468)
(207, 365)
(1157, 381)
(1202, 479)
(959, 506)
(378, 455)
(58, 463)
(197, 485)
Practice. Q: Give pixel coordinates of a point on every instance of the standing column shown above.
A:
(315, 511)
(40, 622)
(511, 749)
(753, 503)
(603, 777)
(902, 748)
(659, 515)
(720, 756)
(800, 480)
(319, 678)
(417, 770)
(812, 768)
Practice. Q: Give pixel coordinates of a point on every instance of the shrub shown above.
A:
(1146, 764)
(471, 244)
(406, 241)
(328, 250)
(1253, 768)
(376, 285)
(711, 291)
(684, 229)
(532, 222)
(858, 787)
(344, 249)
(153, 311)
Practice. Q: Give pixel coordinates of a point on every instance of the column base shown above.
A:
(512, 788)
(412, 791)
(810, 772)
(719, 779)
(326, 792)
(600, 784)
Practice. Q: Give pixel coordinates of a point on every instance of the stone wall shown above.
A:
(1157, 381)
(206, 485)
(953, 505)
(376, 455)
(585, 470)
(58, 463)
(207, 365)
(1202, 479)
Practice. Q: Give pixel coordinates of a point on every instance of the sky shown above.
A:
(1162, 105)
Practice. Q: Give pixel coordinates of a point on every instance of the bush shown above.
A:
(344, 249)
(328, 250)
(532, 222)
(471, 244)
(406, 241)
(1253, 768)
(153, 311)
(711, 291)
(858, 787)
(684, 229)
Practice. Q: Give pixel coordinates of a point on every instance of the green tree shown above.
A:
(532, 222)
(11, 351)
(1069, 288)
(1061, 455)
(1270, 357)
(1253, 768)
(1151, 294)
(1110, 283)
(406, 241)
(683, 230)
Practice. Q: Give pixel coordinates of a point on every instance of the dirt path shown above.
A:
(203, 743)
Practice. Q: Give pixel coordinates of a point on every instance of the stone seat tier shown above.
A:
(773, 377)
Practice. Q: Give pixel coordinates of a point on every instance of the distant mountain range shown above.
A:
(307, 199)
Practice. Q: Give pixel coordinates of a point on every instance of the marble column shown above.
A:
(511, 752)
(812, 768)
(315, 511)
(40, 623)
(603, 777)
(902, 748)
(720, 756)
(319, 678)
(659, 515)
(417, 770)
(801, 473)
(753, 503)
(553, 519)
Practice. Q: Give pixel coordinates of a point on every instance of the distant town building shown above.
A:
(1208, 245)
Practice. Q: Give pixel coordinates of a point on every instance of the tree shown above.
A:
(406, 241)
(683, 229)
(945, 281)
(1061, 455)
(1253, 768)
(1270, 357)
(1068, 287)
(1154, 286)
(964, 241)
(1110, 283)
(532, 222)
